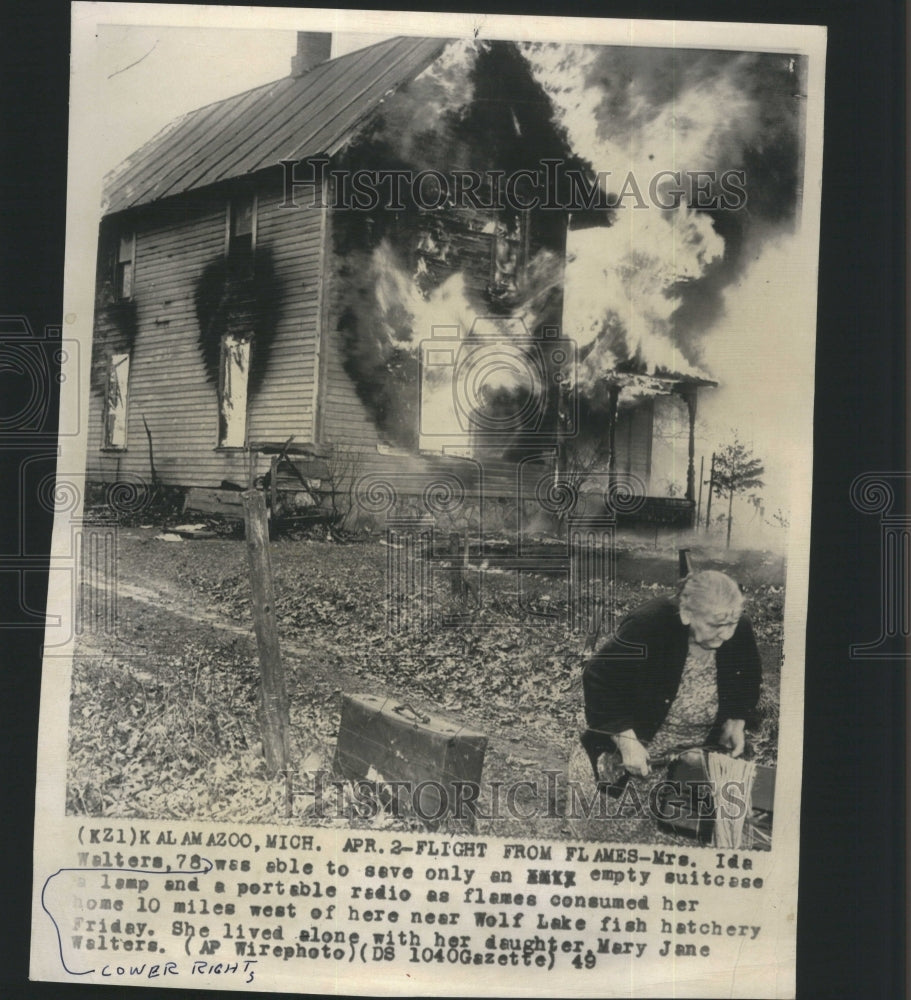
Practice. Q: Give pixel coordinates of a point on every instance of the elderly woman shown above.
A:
(677, 672)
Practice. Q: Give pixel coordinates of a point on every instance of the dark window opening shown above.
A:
(123, 279)
(509, 255)
(242, 225)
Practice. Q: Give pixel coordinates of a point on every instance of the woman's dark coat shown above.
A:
(631, 682)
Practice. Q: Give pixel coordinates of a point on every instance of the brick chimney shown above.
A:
(313, 47)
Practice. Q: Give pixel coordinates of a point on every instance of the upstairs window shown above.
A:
(509, 255)
(115, 403)
(242, 225)
(123, 276)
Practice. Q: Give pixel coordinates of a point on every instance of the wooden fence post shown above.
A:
(273, 709)
(685, 563)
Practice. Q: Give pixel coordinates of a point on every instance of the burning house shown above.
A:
(374, 257)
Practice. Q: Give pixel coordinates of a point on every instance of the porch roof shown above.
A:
(656, 385)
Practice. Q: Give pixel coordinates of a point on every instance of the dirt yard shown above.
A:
(163, 715)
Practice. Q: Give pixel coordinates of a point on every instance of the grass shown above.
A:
(174, 734)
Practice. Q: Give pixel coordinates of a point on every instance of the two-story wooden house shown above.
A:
(272, 266)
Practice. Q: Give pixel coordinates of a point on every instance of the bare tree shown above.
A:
(580, 460)
(344, 468)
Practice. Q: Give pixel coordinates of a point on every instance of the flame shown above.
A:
(412, 320)
(638, 295)
(636, 112)
(623, 282)
(622, 288)
(405, 313)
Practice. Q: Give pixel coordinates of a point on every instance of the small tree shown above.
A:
(736, 471)
(780, 519)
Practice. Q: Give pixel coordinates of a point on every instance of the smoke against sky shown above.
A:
(704, 299)
(641, 113)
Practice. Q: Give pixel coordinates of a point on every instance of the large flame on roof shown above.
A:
(622, 289)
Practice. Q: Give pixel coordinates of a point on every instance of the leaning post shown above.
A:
(708, 503)
(273, 709)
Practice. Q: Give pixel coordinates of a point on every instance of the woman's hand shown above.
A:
(634, 754)
(732, 735)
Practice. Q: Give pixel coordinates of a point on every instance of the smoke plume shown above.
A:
(639, 291)
(635, 112)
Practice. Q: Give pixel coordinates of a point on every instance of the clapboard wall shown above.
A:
(633, 441)
(304, 390)
(168, 381)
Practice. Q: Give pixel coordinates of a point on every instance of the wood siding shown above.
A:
(169, 384)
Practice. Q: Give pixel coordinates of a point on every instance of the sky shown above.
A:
(146, 76)
(150, 75)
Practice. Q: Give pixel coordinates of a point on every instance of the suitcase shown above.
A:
(382, 741)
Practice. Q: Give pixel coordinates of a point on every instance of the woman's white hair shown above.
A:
(710, 591)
